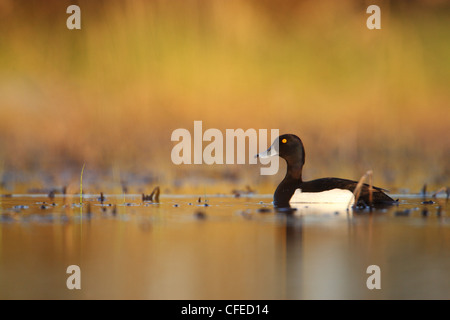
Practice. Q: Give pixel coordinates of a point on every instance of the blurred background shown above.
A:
(108, 96)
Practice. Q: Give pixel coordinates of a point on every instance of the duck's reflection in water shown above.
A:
(295, 220)
(293, 241)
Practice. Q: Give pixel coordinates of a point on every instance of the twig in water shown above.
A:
(101, 198)
(81, 184)
(357, 191)
(51, 194)
(155, 193)
(423, 192)
(81, 199)
(446, 189)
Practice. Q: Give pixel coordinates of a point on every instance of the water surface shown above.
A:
(222, 248)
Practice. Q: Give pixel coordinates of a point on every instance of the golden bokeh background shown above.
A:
(110, 95)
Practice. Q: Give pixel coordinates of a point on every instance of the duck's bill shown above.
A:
(272, 151)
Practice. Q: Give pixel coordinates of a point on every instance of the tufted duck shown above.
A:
(294, 190)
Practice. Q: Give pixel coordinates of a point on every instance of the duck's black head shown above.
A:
(290, 148)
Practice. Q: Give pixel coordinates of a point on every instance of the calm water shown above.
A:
(233, 248)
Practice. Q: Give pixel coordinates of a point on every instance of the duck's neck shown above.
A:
(287, 187)
(294, 172)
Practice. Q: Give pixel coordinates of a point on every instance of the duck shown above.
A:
(292, 189)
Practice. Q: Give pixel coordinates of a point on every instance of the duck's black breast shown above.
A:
(285, 191)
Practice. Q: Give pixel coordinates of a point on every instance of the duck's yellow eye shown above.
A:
(284, 140)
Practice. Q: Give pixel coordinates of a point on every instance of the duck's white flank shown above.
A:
(329, 196)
